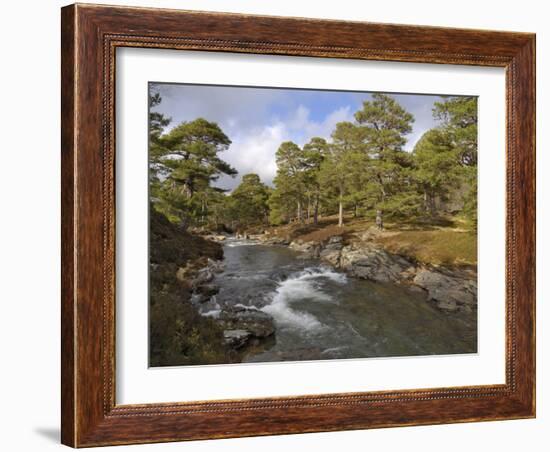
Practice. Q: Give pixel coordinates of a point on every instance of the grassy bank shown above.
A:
(444, 241)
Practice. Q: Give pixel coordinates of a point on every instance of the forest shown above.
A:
(361, 171)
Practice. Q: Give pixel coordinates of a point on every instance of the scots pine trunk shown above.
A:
(316, 210)
(429, 202)
(341, 207)
(379, 221)
(299, 211)
(426, 202)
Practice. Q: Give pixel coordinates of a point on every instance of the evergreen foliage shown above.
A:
(362, 170)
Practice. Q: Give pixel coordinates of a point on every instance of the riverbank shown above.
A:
(217, 298)
(178, 334)
(439, 259)
(183, 269)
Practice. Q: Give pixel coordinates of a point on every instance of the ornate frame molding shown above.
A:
(90, 37)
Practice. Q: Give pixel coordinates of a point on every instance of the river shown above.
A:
(320, 313)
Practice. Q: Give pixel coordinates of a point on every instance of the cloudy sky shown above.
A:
(258, 120)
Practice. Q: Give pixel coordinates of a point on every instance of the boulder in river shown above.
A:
(257, 324)
(236, 338)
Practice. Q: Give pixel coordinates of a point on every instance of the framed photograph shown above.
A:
(281, 225)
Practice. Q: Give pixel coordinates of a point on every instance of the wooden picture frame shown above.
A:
(90, 36)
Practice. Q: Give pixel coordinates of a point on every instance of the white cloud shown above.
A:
(253, 150)
(237, 106)
(299, 118)
(325, 128)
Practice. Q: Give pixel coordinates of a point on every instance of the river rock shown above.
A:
(370, 262)
(203, 293)
(258, 323)
(310, 250)
(332, 256)
(274, 240)
(236, 338)
(298, 245)
(216, 266)
(451, 293)
(335, 243)
(204, 276)
(216, 238)
(314, 252)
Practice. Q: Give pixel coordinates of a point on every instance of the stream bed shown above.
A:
(320, 313)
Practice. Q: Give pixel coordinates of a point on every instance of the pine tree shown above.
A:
(385, 123)
(190, 163)
(290, 181)
(344, 159)
(315, 152)
(437, 169)
(250, 201)
(459, 119)
(157, 124)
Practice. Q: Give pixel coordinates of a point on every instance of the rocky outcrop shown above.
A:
(205, 292)
(309, 250)
(236, 338)
(272, 240)
(332, 257)
(450, 289)
(216, 237)
(199, 279)
(367, 261)
(197, 273)
(450, 293)
(245, 326)
(331, 252)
